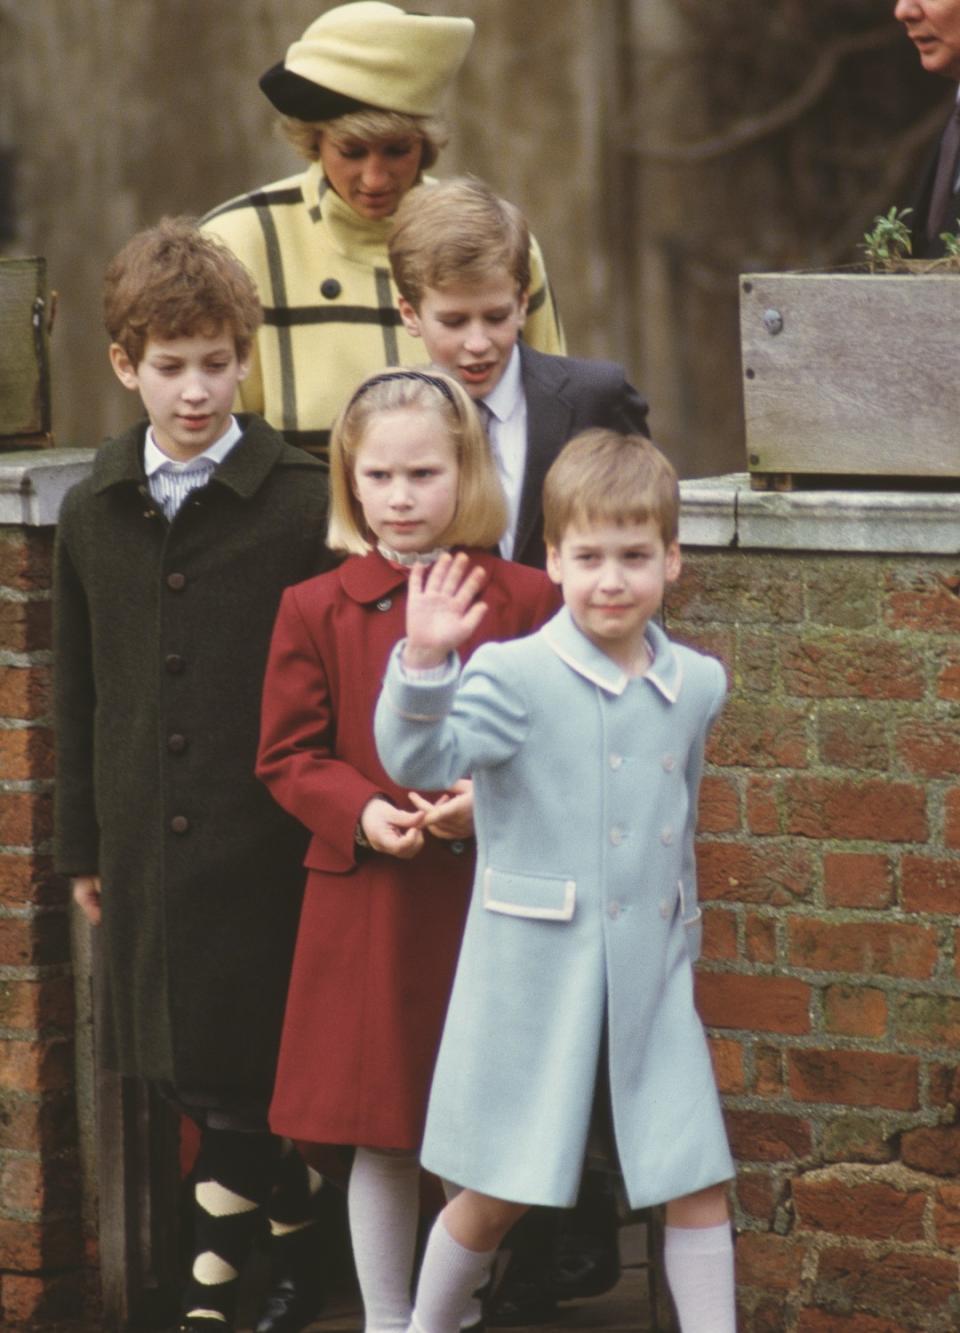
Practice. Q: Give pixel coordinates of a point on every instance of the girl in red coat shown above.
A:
(389, 871)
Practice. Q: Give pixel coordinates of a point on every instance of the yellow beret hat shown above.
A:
(369, 53)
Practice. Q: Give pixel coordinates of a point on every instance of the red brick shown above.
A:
(768, 1070)
(745, 591)
(45, 1301)
(719, 935)
(850, 667)
(935, 1149)
(29, 1246)
(923, 600)
(760, 735)
(31, 1066)
(944, 1085)
(843, 808)
(26, 692)
(842, 593)
(756, 669)
(857, 1137)
(768, 873)
(892, 948)
(758, 1194)
(873, 1210)
(26, 559)
(21, 1186)
(26, 753)
(25, 627)
(901, 1284)
(756, 1003)
(27, 879)
(719, 810)
(721, 644)
(931, 749)
(727, 1059)
(36, 1006)
(761, 938)
(763, 813)
(855, 1011)
(853, 738)
(34, 940)
(948, 678)
(819, 1321)
(857, 879)
(25, 818)
(764, 1136)
(946, 1216)
(927, 1021)
(930, 884)
(854, 1078)
(770, 1263)
(31, 1124)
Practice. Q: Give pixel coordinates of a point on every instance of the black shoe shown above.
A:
(289, 1306)
(201, 1325)
(587, 1272)
(518, 1303)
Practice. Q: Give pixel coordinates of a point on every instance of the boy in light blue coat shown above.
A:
(574, 989)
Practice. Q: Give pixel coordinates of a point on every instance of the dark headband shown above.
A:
(388, 375)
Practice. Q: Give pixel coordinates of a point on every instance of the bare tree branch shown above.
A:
(754, 128)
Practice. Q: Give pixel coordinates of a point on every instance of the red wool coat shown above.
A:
(378, 940)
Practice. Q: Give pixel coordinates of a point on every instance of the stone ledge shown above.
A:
(724, 511)
(33, 483)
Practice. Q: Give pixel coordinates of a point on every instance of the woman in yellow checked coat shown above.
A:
(359, 94)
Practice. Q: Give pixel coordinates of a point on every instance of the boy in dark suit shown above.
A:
(460, 257)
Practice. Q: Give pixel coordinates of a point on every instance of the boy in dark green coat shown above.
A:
(171, 558)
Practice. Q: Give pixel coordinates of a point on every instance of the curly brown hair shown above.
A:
(173, 281)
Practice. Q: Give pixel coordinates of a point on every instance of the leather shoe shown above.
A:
(290, 1305)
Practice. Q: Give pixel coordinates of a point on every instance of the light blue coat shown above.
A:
(584, 906)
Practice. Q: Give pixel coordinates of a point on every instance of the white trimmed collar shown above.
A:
(573, 647)
(154, 458)
(503, 400)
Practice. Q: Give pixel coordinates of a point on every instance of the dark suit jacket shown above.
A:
(922, 248)
(565, 395)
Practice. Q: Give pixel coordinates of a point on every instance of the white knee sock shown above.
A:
(699, 1264)
(383, 1200)
(448, 1278)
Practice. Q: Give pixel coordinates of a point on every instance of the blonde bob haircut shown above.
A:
(603, 477)
(481, 515)
(369, 125)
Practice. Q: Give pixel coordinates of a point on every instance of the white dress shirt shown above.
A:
(171, 481)
(507, 432)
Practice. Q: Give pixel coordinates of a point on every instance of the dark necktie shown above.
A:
(938, 219)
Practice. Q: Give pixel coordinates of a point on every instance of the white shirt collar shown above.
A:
(504, 399)
(154, 458)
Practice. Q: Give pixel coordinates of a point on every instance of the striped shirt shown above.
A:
(170, 481)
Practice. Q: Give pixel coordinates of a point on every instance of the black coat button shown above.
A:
(330, 288)
(176, 582)
(176, 743)
(180, 824)
(174, 663)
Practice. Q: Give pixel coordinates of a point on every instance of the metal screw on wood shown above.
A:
(773, 322)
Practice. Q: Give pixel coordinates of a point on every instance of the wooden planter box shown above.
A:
(24, 355)
(851, 375)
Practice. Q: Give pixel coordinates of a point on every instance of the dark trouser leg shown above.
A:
(232, 1180)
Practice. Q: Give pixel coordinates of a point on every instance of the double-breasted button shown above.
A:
(616, 760)
(179, 824)
(174, 663)
(176, 582)
(616, 835)
(384, 603)
(330, 288)
(176, 743)
(666, 835)
(613, 910)
(669, 763)
(457, 847)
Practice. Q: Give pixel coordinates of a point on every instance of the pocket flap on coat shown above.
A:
(540, 897)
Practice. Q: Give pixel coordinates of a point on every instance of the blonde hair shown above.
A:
(602, 476)
(481, 512)
(173, 281)
(370, 125)
(456, 231)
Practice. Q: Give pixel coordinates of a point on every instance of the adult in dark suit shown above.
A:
(934, 28)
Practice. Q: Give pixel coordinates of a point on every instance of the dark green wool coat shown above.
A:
(162, 631)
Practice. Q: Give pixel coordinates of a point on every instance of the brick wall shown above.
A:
(830, 876)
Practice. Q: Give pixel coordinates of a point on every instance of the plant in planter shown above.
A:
(854, 374)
